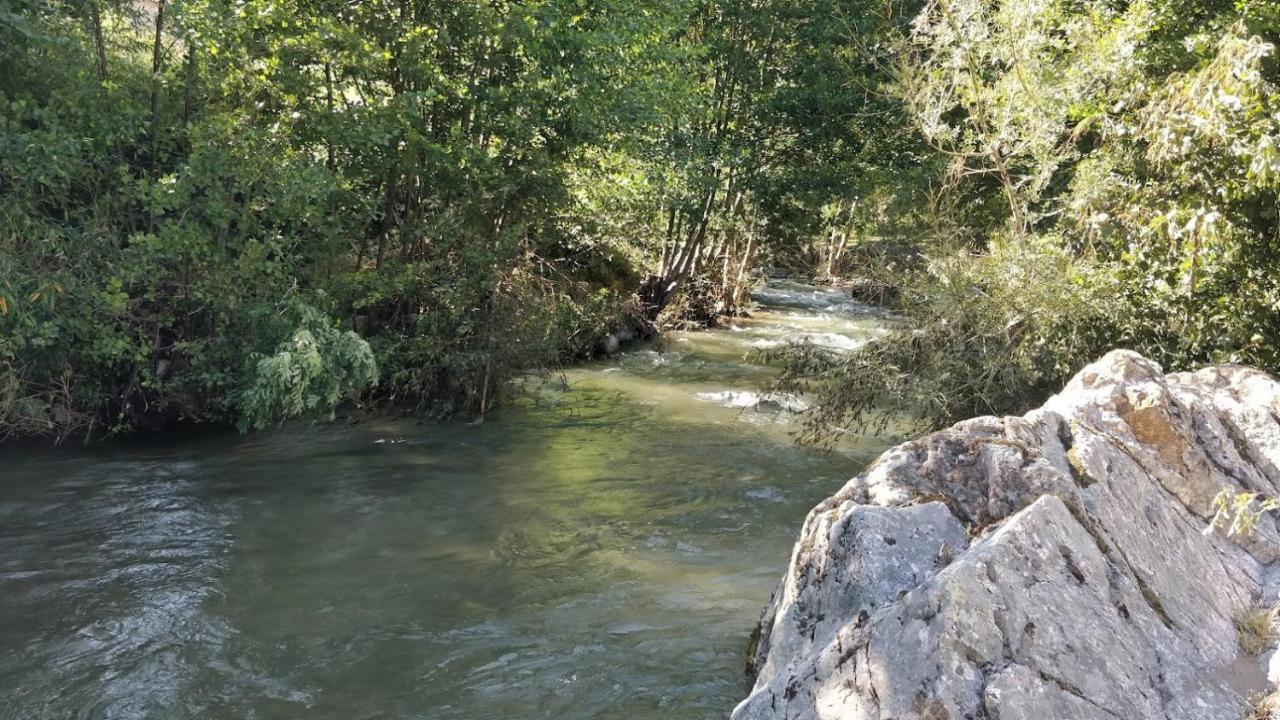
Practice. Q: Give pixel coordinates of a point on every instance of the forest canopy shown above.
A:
(254, 210)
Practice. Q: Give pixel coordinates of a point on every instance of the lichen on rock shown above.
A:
(1053, 565)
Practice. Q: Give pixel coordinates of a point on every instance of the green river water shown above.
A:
(601, 549)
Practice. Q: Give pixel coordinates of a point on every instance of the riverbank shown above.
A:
(597, 548)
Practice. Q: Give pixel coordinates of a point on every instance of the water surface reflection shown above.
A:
(599, 550)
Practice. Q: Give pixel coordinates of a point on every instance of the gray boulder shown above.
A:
(612, 344)
(1054, 565)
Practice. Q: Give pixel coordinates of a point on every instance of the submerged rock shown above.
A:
(767, 402)
(1053, 565)
(612, 344)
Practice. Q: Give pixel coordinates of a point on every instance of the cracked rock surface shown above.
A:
(1053, 565)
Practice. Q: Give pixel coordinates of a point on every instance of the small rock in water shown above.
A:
(628, 628)
(768, 494)
(835, 341)
(782, 402)
(730, 398)
(688, 550)
(656, 541)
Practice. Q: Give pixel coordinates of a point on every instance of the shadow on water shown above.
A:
(599, 551)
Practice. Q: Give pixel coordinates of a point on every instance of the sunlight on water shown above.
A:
(600, 549)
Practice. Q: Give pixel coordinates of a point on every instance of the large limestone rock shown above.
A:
(1054, 565)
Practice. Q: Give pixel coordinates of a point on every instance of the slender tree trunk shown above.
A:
(330, 162)
(837, 256)
(157, 66)
(726, 273)
(363, 248)
(837, 261)
(388, 218)
(677, 240)
(189, 85)
(739, 292)
(737, 266)
(99, 44)
(700, 233)
(668, 241)
(838, 239)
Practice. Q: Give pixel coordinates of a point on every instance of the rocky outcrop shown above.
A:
(1054, 565)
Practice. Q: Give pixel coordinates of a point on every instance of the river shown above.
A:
(599, 549)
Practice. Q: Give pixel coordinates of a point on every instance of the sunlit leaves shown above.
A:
(308, 373)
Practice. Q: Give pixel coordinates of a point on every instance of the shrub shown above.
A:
(979, 334)
(308, 375)
(449, 337)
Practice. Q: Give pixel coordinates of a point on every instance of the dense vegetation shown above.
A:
(247, 211)
(254, 210)
(1105, 174)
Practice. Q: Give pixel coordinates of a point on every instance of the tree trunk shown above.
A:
(99, 44)
(739, 293)
(157, 66)
(330, 161)
(189, 85)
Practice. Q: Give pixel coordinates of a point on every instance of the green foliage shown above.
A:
(450, 342)
(309, 374)
(781, 128)
(1195, 199)
(982, 331)
(134, 273)
(1130, 149)
(1239, 513)
(476, 189)
(171, 185)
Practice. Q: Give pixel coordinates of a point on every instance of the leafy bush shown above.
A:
(449, 339)
(981, 334)
(308, 375)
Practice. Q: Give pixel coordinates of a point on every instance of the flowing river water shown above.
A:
(600, 549)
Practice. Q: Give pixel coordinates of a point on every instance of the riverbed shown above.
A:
(600, 548)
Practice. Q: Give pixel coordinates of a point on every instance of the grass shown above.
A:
(1256, 630)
